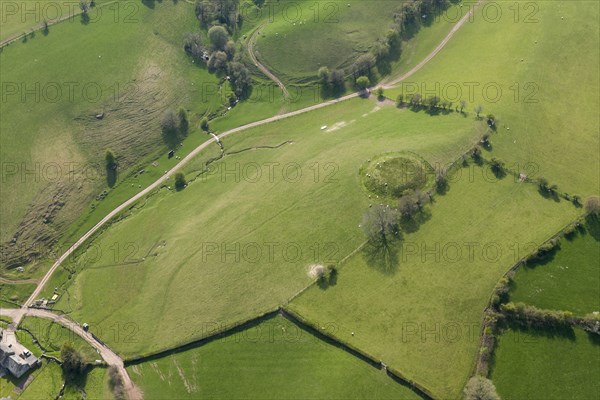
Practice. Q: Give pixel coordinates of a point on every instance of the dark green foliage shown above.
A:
(441, 182)
(204, 124)
(363, 65)
(362, 82)
(184, 125)
(240, 78)
(180, 182)
(73, 364)
(497, 167)
(218, 37)
(531, 316)
(218, 12)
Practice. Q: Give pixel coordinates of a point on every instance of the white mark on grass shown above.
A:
(190, 388)
(315, 270)
(154, 366)
(339, 125)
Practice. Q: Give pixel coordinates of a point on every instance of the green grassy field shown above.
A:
(172, 260)
(15, 293)
(529, 365)
(21, 17)
(534, 87)
(52, 336)
(297, 364)
(334, 34)
(569, 281)
(46, 384)
(422, 311)
(93, 386)
(304, 36)
(52, 130)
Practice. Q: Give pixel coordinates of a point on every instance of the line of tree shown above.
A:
(332, 81)
(219, 53)
(531, 316)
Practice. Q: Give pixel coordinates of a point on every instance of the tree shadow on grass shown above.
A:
(549, 194)
(592, 226)
(413, 223)
(564, 332)
(382, 255)
(111, 176)
(150, 3)
(325, 282)
(593, 338)
(542, 259)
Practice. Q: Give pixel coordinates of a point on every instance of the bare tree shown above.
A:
(380, 223)
(592, 205)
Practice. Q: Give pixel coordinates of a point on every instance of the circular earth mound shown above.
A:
(394, 174)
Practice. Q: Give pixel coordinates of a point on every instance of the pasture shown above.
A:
(273, 360)
(304, 36)
(334, 34)
(544, 101)
(549, 365)
(418, 306)
(46, 383)
(51, 138)
(568, 281)
(231, 259)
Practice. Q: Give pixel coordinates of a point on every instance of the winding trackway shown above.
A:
(439, 47)
(19, 282)
(109, 356)
(263, 69)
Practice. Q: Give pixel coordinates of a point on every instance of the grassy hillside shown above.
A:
(304, 36)
(50, 136)
(273, 360)
(537, 72)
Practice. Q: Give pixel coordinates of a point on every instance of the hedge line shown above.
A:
(363, 355)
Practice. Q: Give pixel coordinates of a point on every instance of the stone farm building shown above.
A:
(16, 359)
